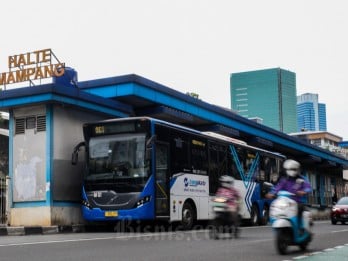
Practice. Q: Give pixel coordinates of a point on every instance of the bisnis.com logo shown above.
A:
(193, 182)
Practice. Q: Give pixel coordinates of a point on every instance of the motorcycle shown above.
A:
(283, 218)
(223, 222)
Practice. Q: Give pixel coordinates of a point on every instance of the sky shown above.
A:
(191, 45)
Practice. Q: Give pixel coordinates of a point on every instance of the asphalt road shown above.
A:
(255, 243)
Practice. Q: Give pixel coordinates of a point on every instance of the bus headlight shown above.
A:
(142, 201)
(86, 204)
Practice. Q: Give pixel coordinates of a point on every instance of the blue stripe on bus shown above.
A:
(248, 180)
(172, 182)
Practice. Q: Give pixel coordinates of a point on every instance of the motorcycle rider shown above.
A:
(294, 183)
(228, 191)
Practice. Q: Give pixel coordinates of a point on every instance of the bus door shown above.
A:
(162, 179)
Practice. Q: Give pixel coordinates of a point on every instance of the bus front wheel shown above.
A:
(188, 216)
(265, 216)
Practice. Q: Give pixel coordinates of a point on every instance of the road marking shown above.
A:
(86, 239)
(131, 236)
(299, 257)
(339, 231)
(338, 247)
(326, 252)
(316, 253)
(329, 249)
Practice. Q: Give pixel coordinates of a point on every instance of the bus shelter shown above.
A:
(45, 124)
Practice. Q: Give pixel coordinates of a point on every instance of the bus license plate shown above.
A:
(111, 214)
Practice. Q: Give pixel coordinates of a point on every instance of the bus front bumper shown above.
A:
(144, 212)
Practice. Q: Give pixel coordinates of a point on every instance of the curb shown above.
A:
(39, 230)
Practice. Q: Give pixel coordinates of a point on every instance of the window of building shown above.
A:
(316, 142)
(38, 123)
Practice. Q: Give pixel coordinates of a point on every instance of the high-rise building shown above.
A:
(269, 94)
(311, 115)
(322, 116)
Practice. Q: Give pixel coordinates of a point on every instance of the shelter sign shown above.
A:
(32, 66)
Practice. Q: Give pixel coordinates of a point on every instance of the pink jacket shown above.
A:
(231, 194)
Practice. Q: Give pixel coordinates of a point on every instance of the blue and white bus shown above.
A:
(142, 168)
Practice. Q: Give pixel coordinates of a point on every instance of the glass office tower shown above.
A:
(268, 94)
(311, 115)
(322, 117)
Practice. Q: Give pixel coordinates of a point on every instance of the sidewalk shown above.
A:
(38, 230)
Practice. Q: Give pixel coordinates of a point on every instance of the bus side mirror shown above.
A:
(74, 157)
(75, 154)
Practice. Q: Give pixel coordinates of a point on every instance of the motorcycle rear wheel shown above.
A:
(236, 232)
(213, 231)
(283, 240)
(303, 246)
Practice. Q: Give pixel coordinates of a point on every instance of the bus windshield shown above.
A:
(118, 159)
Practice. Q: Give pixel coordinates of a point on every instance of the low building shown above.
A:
(325, 140)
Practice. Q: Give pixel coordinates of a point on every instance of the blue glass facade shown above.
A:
(322, 116)
(311, 115)
(305, 117)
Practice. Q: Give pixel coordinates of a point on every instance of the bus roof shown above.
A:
(223, 137)
(207, 134)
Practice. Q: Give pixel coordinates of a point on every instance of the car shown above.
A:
(339, 211)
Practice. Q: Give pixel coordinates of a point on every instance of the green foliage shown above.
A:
(193, 94)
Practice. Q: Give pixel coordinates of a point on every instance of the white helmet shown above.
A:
(227, 181)
(292, 168)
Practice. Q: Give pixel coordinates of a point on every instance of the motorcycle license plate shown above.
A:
(111, 213)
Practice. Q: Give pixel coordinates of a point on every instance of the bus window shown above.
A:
(274, 171)
(218, 160)
(199, 156)
(117, 156)
(269, 167)
(264, 169)
(162, 193)
(243, 166)
(179, 155)
(248, 163)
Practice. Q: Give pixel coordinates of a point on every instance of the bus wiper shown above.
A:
(100, 176)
